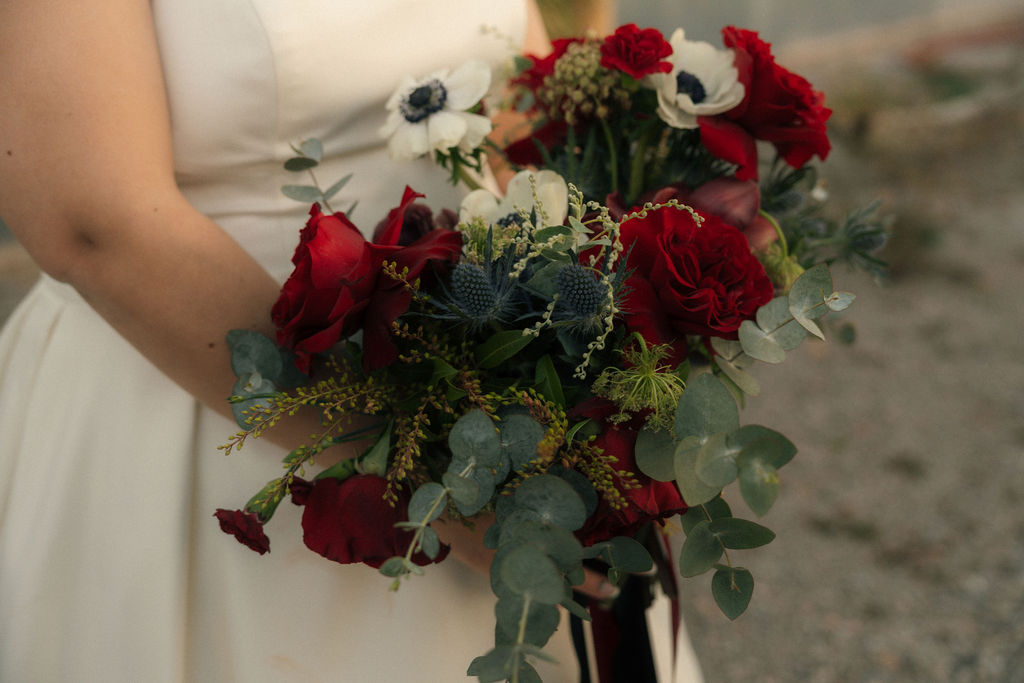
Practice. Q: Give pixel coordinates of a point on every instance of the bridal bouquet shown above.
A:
(561, 366)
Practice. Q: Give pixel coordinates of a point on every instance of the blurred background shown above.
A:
(900, 549)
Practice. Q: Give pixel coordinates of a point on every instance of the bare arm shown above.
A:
(87, 186)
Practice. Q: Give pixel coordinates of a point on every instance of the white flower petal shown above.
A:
(445, 129)
(409, 141)
(479, 203)
(477, 128)
(467, 85)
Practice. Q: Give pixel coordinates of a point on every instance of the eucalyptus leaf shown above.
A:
(530, 572)
(778, 322)
(541, 621)
(312, 148)
(655, 454)
(551, 232)
(495, 666)
(732, 589)
(430, 544)
(716, 508)
(742, 379)
(807, 297)
(759, 486)
(553, 499)
(754, 442)
(501, 346)
(254, 352)
(544, 282)
(474, 441)
(580, 484)
(300, 164)
(574, 608)
(557, 543)
(700, 551)
(427, 503)
(254, 385)
(527, 674)
(705, 408)
(691, 486)
(301, 193)
(462, 490)
(336, 187)
(759, 344)
(839, 301)
(394, 566)
(741, 534)
(716, 464)
(519, 436)
(627, 555)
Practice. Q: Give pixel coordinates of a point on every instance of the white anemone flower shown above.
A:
(430, 113)
(703, 82)
(552, 192)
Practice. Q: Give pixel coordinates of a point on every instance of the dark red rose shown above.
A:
(689, 278)
(778, 106)
(337, 286)
(244, 526)
(736, 202)
(525, 152)
(652, 501)
(637, 52)
(349, 521)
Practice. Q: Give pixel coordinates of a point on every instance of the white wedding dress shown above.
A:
(112, 566)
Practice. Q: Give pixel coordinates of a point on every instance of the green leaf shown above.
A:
(732, 588)
(580, 484)
(574, 608)
(759, 344)
(807, 297)
(527, 674)
(545, 234)
(301, 193)
(541, 621)
(474, 441)
(254, 352)
(430, 544)
(544, 282)
(839, 301)
(716, 508)
(336, 187)
(500, 347)
(547, 382)
(494, 666)
(754, 442)
(394, 566)
(553, 499)
(776, 319)
(741, 534)
(462, 490)
(519, 435)
(655, 454)
(527, 571)
(427, 503)
(557, 543)
(251, 385)
(265, 503)
(700, 551)
(692, 487)
(705, 408)
(740, 377)
(627, 555)
(376, 459)
(300, 164)
(442, 370)
(312, 149)
(759, 485)
(716, 464)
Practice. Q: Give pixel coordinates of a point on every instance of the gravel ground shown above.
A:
(900, 549)
(900, 554)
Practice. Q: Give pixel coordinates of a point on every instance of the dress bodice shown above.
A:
(248, 78)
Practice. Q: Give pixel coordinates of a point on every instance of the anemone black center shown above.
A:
(689, 84)
(423, 101)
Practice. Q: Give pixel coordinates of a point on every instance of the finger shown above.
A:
(597, 586)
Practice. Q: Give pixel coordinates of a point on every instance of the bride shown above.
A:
(141, 146)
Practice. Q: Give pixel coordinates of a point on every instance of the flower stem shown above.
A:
(613, 159)
(778, 231)
(316, 184)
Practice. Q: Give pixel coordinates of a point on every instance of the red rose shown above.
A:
(349, 521)
(338, 287)
(652, 501)
(244, 526)
(689, 278)
(637, 52)
(778, 106)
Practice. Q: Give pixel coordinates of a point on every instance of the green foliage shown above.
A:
(501, 346)
(732, 588)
